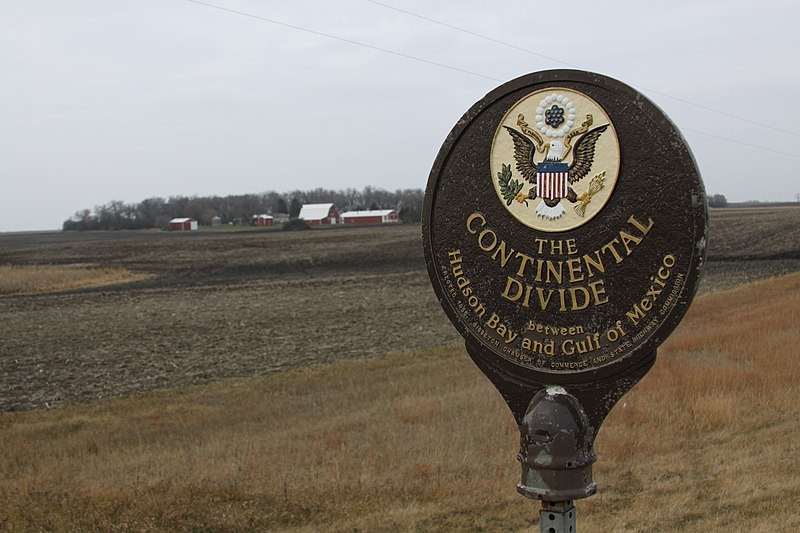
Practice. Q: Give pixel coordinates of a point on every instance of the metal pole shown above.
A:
(557, 517)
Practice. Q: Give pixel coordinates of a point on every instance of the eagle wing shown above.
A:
(584, 154)
(524, 150)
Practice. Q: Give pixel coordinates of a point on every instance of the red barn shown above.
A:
(263, 220)
(182, 224)
(319, 214)
(378, 216)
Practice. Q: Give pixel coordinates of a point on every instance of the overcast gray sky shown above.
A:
(106, 100)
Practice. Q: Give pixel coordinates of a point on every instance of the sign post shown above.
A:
(564, 232)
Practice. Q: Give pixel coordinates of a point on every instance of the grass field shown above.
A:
(420, 441)
(33, 279)
(224, 391)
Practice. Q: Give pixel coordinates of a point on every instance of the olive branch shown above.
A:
(508, 188)
(595, 186)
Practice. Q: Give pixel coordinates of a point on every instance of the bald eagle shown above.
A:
(551, 177)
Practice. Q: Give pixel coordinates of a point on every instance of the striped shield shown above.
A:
(552, 180)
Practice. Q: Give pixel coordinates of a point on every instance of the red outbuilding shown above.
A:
(183, 224)
(263, 220)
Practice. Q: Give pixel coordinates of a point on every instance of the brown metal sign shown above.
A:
(564, 231)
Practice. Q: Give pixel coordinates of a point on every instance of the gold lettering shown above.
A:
(598, 293)
(574, 267)
(639, 226)
(517, 286)
(626, 238)
(527, 301)
(573, 292)
(539, 266)
(635, 314)
(557, 273)
(494, 240)
(501, 249)
(546, 347)
(610, 247)
(567, 347)
(473, 217)
(542, 300)
(598, 265)
(549, 330)
(556, 246)
(572, 248)
(525, 260)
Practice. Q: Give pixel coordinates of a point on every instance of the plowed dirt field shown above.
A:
(222, 305)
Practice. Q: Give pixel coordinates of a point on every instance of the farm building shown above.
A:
(216, 221)
(182, 224)
(263, 220)
(377, 216)
(319, 214)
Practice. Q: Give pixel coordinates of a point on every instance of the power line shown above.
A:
(555, 60)
(472, 73)
(474, 34)
(719, 112)
(344, 40)
(764, 148)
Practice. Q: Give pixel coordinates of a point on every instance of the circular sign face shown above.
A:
(568, 155)
(564, 227)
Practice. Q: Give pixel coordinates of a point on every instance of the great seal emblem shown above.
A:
(568, 154)
(564, 231)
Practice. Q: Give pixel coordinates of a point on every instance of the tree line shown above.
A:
(716, 200)
(156, 212)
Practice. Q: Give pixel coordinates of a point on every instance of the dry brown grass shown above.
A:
(32, 279)
(420, 441)
(709, 438)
